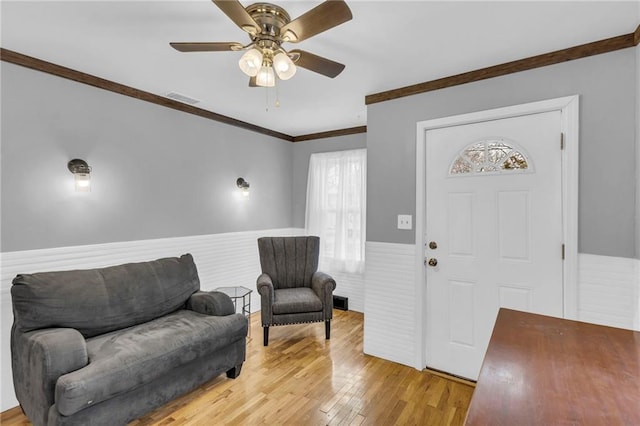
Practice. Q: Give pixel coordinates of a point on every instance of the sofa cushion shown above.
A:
(125, 359)
(97, 301)
(295, 300)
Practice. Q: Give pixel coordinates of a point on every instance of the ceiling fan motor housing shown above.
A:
(271, 19)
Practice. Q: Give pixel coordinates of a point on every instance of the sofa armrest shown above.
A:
(267, 297)
(211, 303)
(323, 285)
(39, 358)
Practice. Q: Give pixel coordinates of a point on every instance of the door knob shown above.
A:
(433, 261)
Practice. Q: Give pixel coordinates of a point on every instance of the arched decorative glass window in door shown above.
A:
(490, 156)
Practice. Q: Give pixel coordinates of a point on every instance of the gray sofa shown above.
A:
(104, 346)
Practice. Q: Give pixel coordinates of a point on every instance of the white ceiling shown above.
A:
(387, 45)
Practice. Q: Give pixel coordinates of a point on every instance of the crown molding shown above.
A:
(101, 83)
(559, 56)
(331, 134)
(551, 58)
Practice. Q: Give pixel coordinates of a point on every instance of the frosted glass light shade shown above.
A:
(83, 182)
(81, 174)
(265, 77)
(251, 62)
(284, 66)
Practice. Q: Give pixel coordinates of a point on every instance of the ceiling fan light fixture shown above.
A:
(266, 77)
(284, 66)
(251, 62)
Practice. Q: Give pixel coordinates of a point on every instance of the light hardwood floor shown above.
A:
(303, 379)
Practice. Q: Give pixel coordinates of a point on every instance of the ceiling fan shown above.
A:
(269, 26)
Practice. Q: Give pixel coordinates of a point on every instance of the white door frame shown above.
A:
(569, 108)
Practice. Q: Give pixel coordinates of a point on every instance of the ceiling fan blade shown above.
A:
(317, 63)
(252, 82)
(326, 15)
(239, 15)
(206, 46)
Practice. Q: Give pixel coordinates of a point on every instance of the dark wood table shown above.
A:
(541, 370)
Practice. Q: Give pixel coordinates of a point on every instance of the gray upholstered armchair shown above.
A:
(291, 288)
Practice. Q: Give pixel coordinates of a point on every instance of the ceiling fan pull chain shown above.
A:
(277, 94)
(266, 106)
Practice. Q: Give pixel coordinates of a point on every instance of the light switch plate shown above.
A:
(404, 221)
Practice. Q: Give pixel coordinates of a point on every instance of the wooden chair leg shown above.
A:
(327, 329)
(265, 332)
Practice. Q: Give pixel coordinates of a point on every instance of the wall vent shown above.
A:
(182, 98)
(341, 302)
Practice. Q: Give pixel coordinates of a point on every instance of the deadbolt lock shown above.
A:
(433, 261)
(433, 245)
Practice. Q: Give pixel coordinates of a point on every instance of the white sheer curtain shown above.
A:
(336, 208)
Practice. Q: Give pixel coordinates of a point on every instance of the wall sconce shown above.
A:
(82, 173)
(243, 185)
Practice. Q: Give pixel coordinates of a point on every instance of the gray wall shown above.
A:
(301, 153)
(156, 172)
(607, 88)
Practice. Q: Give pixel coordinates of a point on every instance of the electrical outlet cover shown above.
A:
(404, 221)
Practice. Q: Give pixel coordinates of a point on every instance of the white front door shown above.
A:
(494, 227)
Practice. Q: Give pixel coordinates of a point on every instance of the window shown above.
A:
(336, 201)
(489, 157)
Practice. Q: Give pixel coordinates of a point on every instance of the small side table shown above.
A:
(236, 293)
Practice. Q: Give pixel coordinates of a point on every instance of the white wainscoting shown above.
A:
(609, 291)
(351, 286)
(608, 288)
(229, 259)
(389, 320)
(608, 294)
